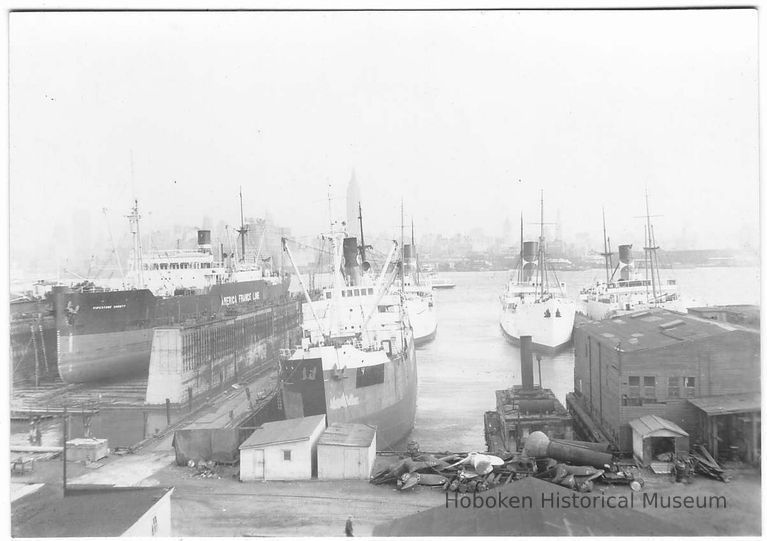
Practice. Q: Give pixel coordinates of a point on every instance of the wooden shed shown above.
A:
(282, 450)
(346, 451)
(653, 435)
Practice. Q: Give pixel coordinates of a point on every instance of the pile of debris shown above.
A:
(575, 465)
(204, 469)
(703, 462)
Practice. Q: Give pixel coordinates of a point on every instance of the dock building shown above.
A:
(700, 374)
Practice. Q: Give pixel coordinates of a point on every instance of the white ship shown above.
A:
(418, 295)
(357, 359)
(532, 305)
(624, 290)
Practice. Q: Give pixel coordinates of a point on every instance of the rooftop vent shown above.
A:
(671, 324)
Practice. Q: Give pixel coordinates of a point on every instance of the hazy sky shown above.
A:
(465, 115)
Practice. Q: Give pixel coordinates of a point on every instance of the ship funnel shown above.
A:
(529, 253)
(526, 361)
(624, 256)
(351, 267)
(408, 254)
(203, 240)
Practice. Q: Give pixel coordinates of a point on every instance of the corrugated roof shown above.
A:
(348, 434)
(724, 405)
(283, 431)
(650, 425)
(651, 329)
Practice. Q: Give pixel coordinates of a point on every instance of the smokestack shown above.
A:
(624, 256)
(203, 240)
(408, 254)
(351, 268)
(529, 254)
(526, 359)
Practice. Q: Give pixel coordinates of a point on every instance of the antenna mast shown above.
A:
(521, 249)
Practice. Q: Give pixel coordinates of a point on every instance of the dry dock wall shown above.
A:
(186, 362)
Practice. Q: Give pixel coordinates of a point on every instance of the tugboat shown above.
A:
(532, 305)
(357, 362)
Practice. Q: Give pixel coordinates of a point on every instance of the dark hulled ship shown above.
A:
(105, 334)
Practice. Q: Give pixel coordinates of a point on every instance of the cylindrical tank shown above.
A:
(539, 445)
(594, 446)
(536, 406)
(407, 251)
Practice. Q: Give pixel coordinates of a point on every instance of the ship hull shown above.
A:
(423, 319)
(108, 335)
(549, 334)
(390, 405)
(93, 357)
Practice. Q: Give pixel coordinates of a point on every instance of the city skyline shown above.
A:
(466, 121)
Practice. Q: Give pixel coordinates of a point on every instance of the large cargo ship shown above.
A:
(106, 334)
(357, 359)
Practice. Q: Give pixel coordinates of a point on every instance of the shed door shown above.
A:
(258, 463)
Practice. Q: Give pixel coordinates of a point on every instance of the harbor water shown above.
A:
(469, 358)
(460, 369)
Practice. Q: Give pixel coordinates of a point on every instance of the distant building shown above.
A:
(659, 362)
(740, 314)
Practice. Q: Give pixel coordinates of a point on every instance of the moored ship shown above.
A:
(624, 290)
(357, 359)
(531, 305)
(106, 334)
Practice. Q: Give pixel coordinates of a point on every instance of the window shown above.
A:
(673, 387)
(370, 291)
(689, 387)
(356, 292)
(286, 455)
(649, 386)
(634, 386)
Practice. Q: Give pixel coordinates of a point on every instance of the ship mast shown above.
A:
(413, 254)
(138, 264)
(606, 254)
(521, 249)
(362, 235)
(541, 253)
(242, 230)
(402, 243)
(651, 252)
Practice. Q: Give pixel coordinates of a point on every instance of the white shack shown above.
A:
(282, 450)
(346, 451)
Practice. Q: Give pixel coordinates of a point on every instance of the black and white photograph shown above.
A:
(383, 271)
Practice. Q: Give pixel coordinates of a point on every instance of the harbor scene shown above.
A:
(294, 331)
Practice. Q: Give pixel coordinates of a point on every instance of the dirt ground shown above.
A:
(221, 505)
